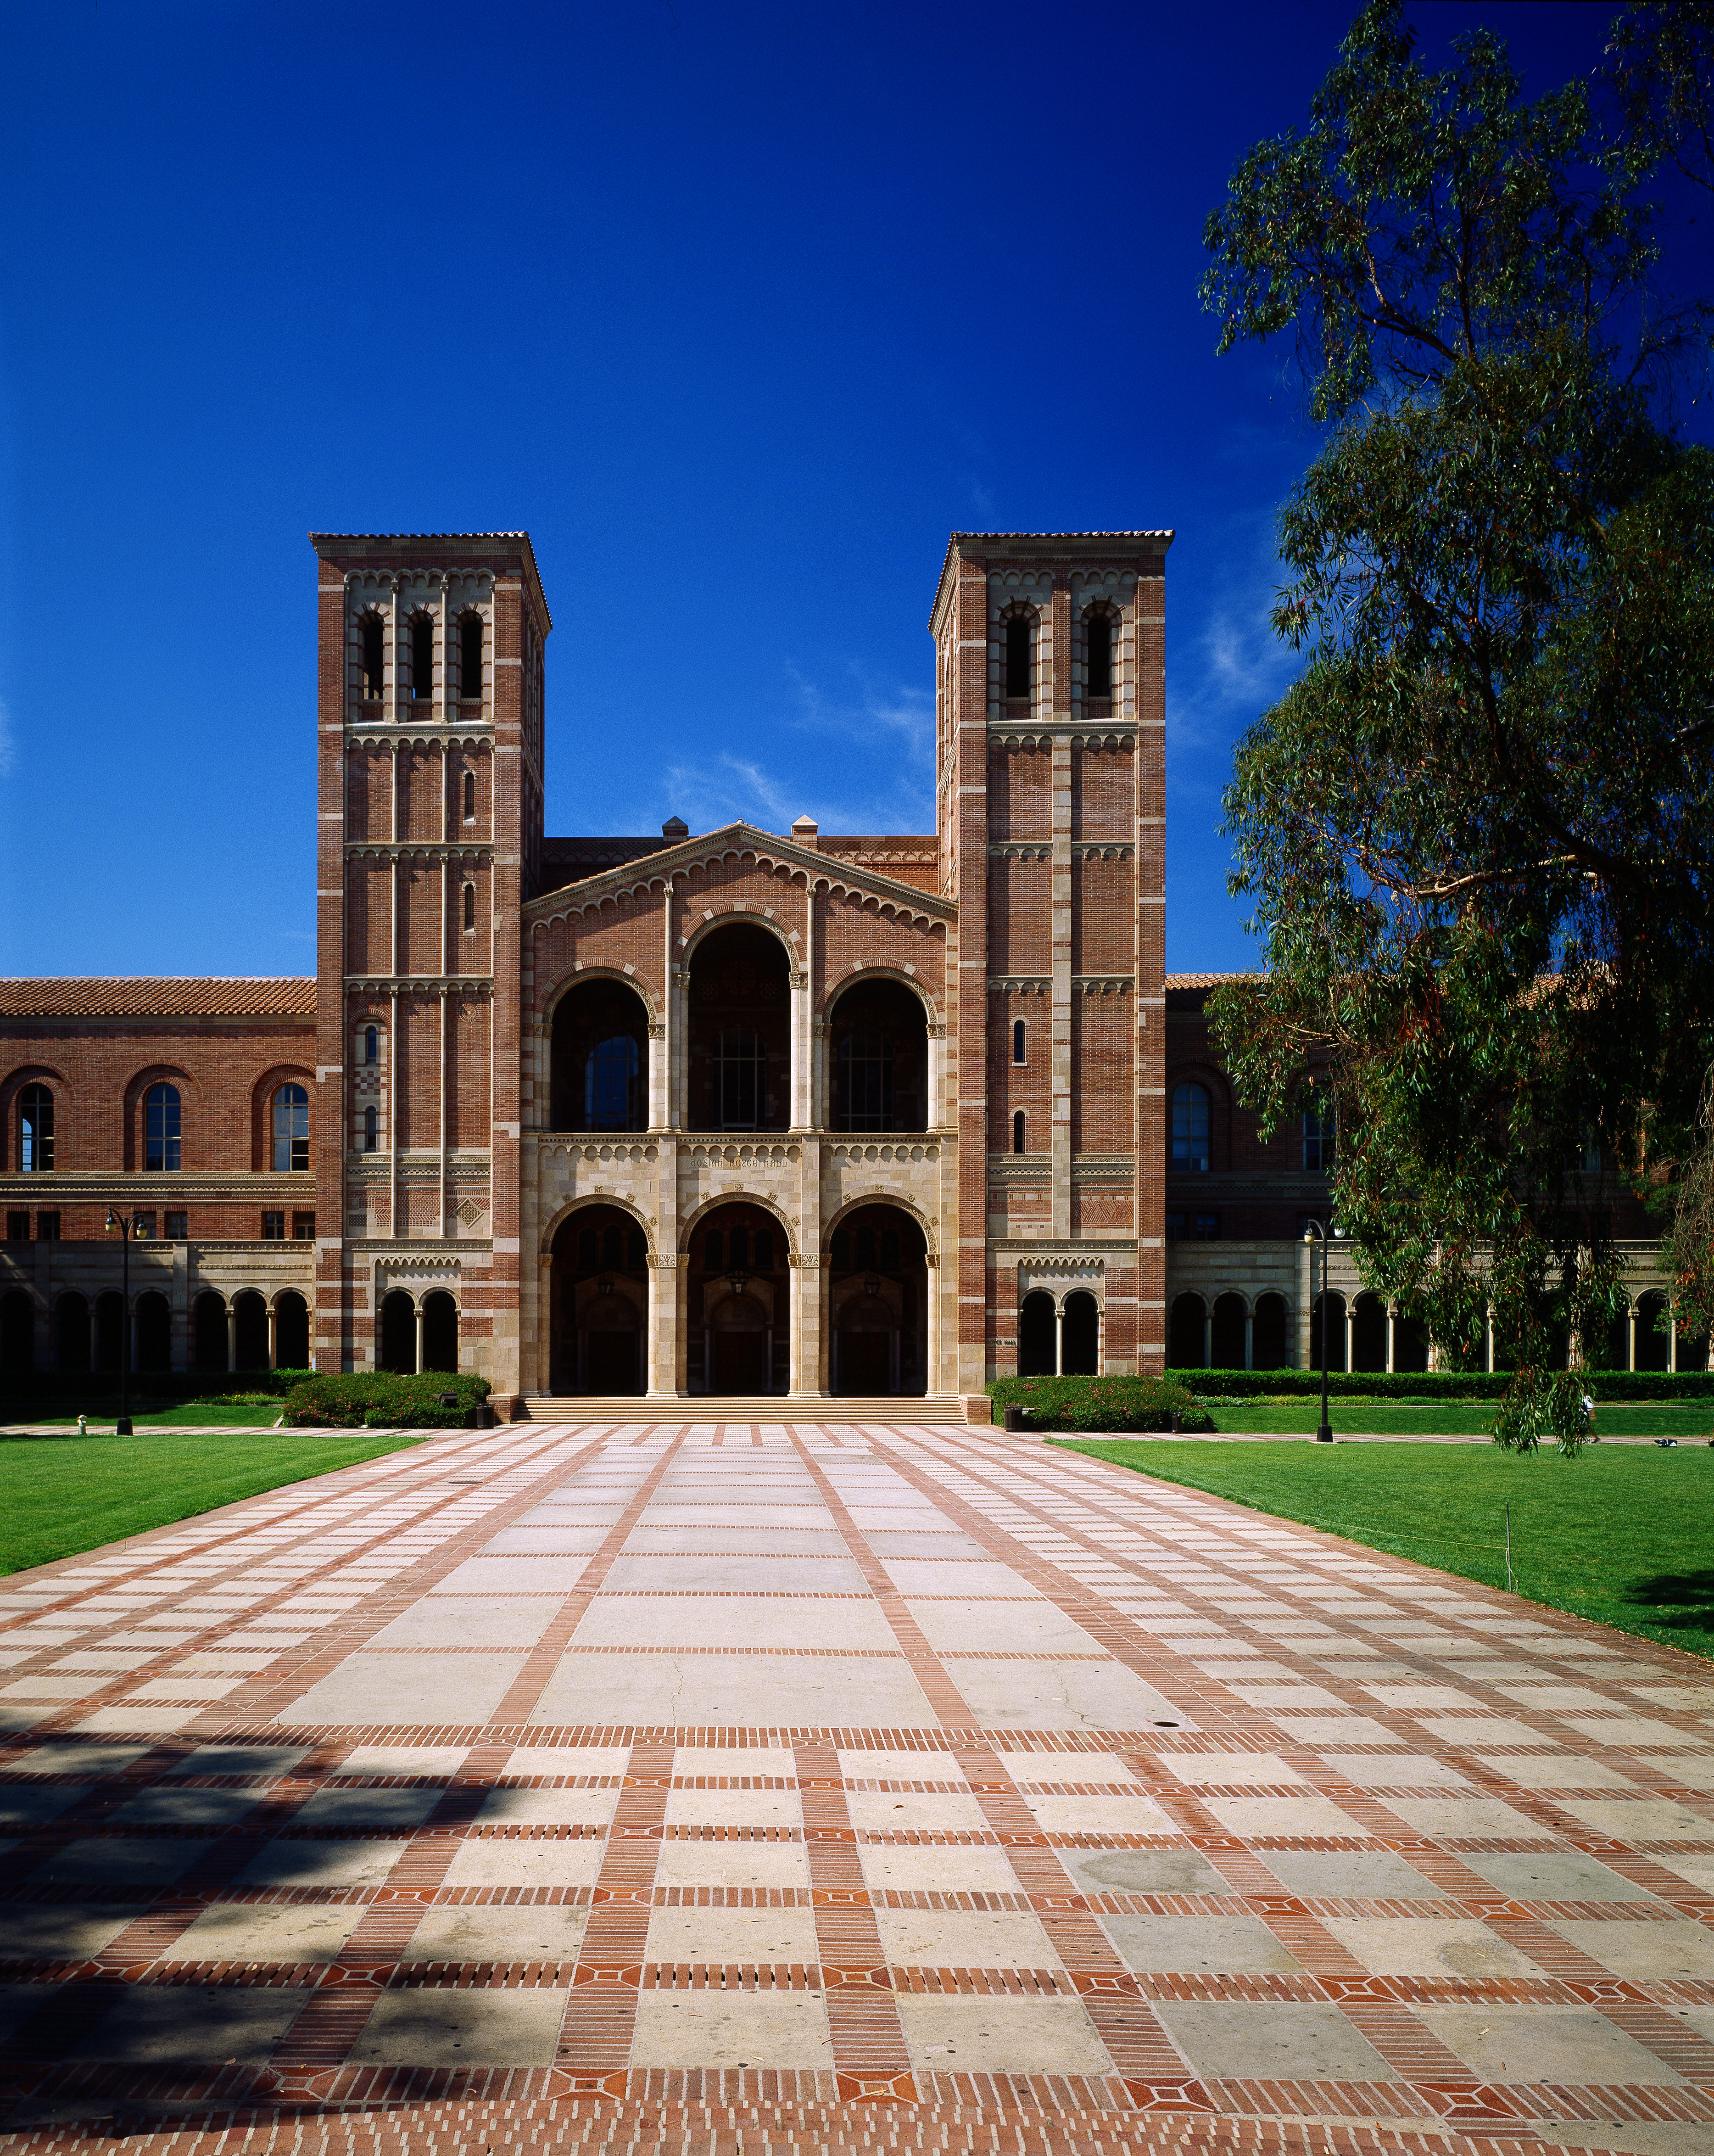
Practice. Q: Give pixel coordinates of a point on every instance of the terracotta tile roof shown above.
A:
(1201, 980)
(143, 996)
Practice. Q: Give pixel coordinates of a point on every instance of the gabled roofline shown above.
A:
(686, 854)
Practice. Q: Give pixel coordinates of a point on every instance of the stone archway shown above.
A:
(598, 1321)
(739, 1301)
(878, 1302)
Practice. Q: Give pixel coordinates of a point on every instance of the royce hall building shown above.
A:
(737, 1111)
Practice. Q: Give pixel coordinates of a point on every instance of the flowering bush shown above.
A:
(1103, 1403)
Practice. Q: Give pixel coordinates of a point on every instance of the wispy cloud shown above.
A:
(1234, 665)
(297, 935)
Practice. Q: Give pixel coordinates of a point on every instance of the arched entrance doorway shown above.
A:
(398, 1333)
(1035, 1335)
(1079, 1335)
(877, 1303)
(739, 1302)
(599, 1318)
(291, 1332)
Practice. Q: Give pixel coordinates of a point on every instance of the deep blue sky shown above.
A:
(738, 309)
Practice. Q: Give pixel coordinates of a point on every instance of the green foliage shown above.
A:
(384, 1400)
(1478, 830)
(1544, 1403)
(1623, 1539)
(1102, 1403)
(1687, 1387)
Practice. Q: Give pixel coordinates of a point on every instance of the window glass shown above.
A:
(291, 1129)
(610, 1070)
(739, 1078)
(161, 1128)
(865, 1059)
(274, 1227)
(1018, 1039)
(374, 656)
(422, 656)
(47, 1227)
(303, 1227)
(1018, 655)
(372, 1044)
(1175, 1227)
(178, 1227)
(1190, 1128)
(469, 906)
(17, 1227)
(35, 1131)
(469, 796)
(1319, 1121)
(1098, 655)
(1017, 1132)
(370, 1121)
(1207, 1227)
(143, 1227)
(470, 657)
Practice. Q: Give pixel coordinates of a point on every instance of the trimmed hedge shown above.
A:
(1102, 1403)
(1689, 1387)
(86, 1388)
(383, 1400)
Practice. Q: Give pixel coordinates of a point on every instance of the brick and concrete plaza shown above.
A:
(687, 1784)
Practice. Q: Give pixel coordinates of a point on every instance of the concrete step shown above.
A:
(709, 1407)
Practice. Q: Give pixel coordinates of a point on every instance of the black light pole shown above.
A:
(1313, 1232)
(122, 1225)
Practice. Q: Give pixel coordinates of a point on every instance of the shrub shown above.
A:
(382, 1399)
(1686, 1387)
(1102, 1403)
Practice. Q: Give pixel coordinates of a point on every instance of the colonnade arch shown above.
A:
(598, 1315)
(878, 1300)
(417, 1331)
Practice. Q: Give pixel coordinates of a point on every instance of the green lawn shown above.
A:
(1625, 1537)
(200, 1414)
(1690, 1425)
(61, 1494)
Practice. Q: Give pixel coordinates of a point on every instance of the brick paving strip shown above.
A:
(1005, 1829)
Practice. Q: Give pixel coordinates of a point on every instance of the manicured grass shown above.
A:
(198, 1414)
(1625, 1537)
(1473, 1418)
(61, 1494)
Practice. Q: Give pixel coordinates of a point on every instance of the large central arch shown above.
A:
(878, 1290)
(738, 1300)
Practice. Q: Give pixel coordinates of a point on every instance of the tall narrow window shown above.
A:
(374, 656)
(1320, 1124)
(421, 657)
(371, 1120)
(470, 657)
(469, 906)
(371, 1044)
(1098, 655)
(866, 1068)
(1017, 1132)
(1018, 655)
(739, 1078)
(292, 1131)
(1190, 1128)
(469, 796)
(35, 1131)
(1018, 1040)
(161, 1128)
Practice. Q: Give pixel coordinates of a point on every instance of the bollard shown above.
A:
(485, 1416)
(1011, 1418)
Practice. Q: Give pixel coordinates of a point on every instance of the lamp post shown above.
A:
(1315, 1231)
(125, 1226)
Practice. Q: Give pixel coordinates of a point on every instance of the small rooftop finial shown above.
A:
(804, 830)
(675, 828)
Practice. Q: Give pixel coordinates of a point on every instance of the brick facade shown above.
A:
(663, 1113)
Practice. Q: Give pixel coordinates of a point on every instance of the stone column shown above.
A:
(1350, 1333)
(231, 1335)
(807, 1286)
(272, 1338)
(665, 1325)
(657, 1077)
(932, 1323)
(1630, 1339)
(1059, 1338)
(1393, 1337)
(1307, 1357)
(1250, 1340)
(1489, 1314)
(417, 1312)
(1207, 1336)
(802, 1074)
(677, 1048)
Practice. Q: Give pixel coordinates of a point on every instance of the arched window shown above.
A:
(865, 1057)
(374, 641)
(1190, 1128)
(470, 907)
(1098, 656)
(1018, 655)
(35, 1131)
(371, 1044)
(1019, 1038)
(161, 1128)
(422, 656)
(714, 1253)
(371, 1120)
(470, 657)
(469, 796)
(610, 1074)
(1320, 1128)
(291, 1129)
(1017, 1132)
(739, 1078)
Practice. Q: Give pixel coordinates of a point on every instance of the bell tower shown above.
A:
(1050, 772)
(430, 813)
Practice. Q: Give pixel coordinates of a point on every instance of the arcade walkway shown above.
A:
(825, 1781)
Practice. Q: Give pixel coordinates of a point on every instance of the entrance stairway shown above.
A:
(716, 1406)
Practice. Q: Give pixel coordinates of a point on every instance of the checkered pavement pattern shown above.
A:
(828, 1784)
